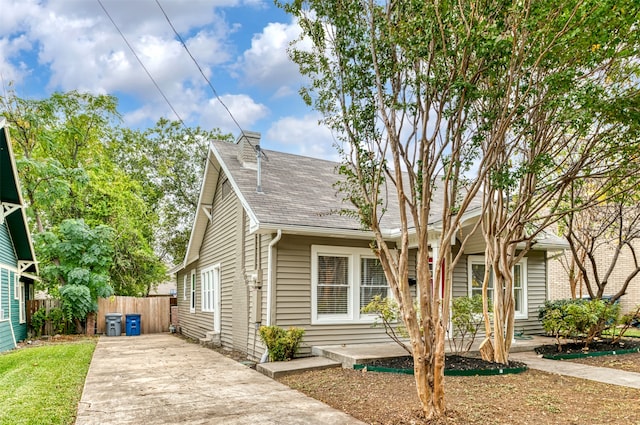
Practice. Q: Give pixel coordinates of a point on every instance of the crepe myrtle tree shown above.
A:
(569, 115)
(611, 226)
(395, 83)
(417, 95)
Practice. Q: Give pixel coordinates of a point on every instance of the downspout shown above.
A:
(273, 242)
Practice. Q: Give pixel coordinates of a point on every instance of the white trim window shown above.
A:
(343, 280)
(210, 282)
(22, 295)
(192, 303)
(476, 268)
(185, 279)
(16, 286)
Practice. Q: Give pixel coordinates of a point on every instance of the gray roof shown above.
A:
(300, 191)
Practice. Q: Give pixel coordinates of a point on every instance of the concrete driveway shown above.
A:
(162, 379)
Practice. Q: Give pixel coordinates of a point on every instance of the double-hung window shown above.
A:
(476, 268)
(343, 281)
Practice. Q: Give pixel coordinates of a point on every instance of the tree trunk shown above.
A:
(429, 376)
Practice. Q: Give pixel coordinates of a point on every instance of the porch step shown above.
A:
(277, 369)
(349, 354)
(211, 339)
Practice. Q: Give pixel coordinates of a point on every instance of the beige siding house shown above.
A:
(268, 248)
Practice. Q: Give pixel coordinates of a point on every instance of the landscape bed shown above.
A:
(576, 350)
(454, 366)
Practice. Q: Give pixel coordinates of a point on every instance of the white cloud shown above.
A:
(243, 108)
(304, 136)
(267, 63)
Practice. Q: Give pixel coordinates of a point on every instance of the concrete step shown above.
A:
(211, 339)
(278, 369)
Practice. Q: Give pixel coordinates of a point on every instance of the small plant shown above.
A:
(387, 313)
(58, 320)
(281, 344)
(466, 320)
(38, 319)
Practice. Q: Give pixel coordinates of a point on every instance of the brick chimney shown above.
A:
(247, 141)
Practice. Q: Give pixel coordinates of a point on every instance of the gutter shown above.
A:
(273, 242)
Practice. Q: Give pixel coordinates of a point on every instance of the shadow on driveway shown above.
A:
(162, 379)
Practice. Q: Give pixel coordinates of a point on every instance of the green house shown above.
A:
(18, 267)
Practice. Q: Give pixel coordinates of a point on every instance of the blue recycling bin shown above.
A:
(133, 324)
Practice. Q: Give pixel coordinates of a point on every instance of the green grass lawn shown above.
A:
(631, 332)
(43, 385)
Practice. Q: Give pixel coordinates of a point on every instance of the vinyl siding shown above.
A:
(219, 247)
(536, 289)
(7, 253)
(7, 340)
(7, 302)
(293, 296)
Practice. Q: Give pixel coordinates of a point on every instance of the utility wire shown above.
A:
(215, 93)
(152, 79)
(142, 64)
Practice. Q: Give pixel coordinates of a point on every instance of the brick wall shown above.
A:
(559, 280)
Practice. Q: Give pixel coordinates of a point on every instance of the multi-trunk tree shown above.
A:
(441, 98)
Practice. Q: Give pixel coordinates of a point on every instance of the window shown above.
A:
(372, 280)
(476, 268)
(333, 285)
(343, 281)
(210, 282)
(22, 294)
(16, 286)
(476, 273)
(192, 307)
(185, 278)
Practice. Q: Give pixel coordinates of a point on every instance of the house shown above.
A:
(268, 248)
(18, 267)
(559, 286)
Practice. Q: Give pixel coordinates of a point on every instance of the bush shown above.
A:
(466, 320)
(38, 320)
(387, 312)
(577, 319)
(281, 344)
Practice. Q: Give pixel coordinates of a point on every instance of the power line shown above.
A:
(215, 93)
(142, 64)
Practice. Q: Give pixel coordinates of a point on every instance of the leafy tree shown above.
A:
(168, 162)
(77, 259)
(68, 173)
(438, 98)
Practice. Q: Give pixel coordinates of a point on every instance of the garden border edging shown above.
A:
(473, 372)
(592, 354)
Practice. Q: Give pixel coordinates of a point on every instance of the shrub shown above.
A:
(387, 313)
(577, 318)
(281, 344)
(38, 320)
(58, 320)
(466, 320)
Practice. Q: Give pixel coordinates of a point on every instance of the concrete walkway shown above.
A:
(577, 370)
(162, 379)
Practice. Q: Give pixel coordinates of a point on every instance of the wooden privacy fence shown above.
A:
(48, 305)
(154, 312)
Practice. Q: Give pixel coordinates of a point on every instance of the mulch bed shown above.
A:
(452, 362)
(595, 346)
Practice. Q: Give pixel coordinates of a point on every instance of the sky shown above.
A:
(240, 45)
